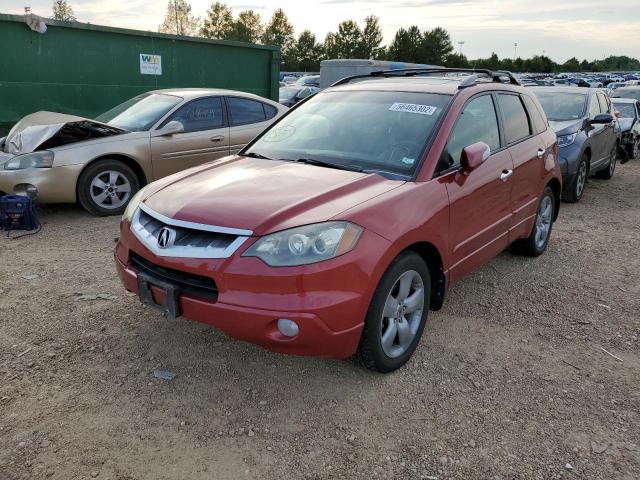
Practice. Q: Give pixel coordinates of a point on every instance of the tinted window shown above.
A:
(199, 115)
(244, 110)
(516, 123)
(594, 107)
(269, 111)
(477, 123)
(534, 114)
(604, 105)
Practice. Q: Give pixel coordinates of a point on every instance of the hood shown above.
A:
(42, 130)
(626, 123)
(263, 195)
(566, 127)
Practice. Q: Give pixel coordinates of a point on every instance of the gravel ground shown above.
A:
(510, 381)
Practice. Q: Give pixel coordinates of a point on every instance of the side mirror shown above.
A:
(171, 128)
(601, 119)
(473, 156)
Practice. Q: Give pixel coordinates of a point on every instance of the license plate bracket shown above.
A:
(170, 306)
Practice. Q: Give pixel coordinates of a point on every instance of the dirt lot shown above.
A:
(510, 380)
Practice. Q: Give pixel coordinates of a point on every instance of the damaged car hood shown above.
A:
(42, 130)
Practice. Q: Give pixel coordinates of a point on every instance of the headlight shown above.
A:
(304, 245)
(132, 206)
(42, 159)
(566, 140)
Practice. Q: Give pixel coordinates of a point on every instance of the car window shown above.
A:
(516, 122)
(245, 110)
(270, 111)
(594, 107)
(477, 123)
(534, 114)
(626, 110)
(199, 115)
(604, 105)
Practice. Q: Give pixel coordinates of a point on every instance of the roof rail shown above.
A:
(476, 74)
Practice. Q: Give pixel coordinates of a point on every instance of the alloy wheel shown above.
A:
(110, 189)
(543, 221)
(612, 162)
(581, 179)
(402, 314)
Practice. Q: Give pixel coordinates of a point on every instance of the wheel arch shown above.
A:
(555, 185)
(127, 160)
(433, 259)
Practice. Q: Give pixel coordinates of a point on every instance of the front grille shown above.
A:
(193, 285)
(186, 237)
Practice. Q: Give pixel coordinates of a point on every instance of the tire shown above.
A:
(373, 352)
(96, 180)
(632, 152)
(608, 172)
(574, 191)
(537, 242)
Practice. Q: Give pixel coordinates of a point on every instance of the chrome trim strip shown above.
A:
(194, 226)
(150, 242)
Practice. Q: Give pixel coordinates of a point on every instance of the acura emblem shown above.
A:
(166, 237)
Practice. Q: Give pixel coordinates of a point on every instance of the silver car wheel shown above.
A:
(614, 159)
(402, 314)
(110, 189)
(581, 180)
(543, 221)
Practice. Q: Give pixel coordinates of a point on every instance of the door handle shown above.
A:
(541, 152)
(505, 175)
(217, 138)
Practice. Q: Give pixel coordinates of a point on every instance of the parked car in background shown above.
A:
(627, 92)
(611, 87)
(587, 134)
(292, 94)
(103, 162)
(579, 82)
(290, 79)
(309, 81)
(629, 119)
(336, 230)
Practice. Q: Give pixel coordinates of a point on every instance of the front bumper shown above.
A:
(327, 300)
(54, 185)
(569, 159)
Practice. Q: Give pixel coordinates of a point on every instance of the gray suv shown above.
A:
(588, 134)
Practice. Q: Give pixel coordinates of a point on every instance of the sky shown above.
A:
(560, 29)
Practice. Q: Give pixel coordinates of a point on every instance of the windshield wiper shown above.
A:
(322, 163)
(255, 155)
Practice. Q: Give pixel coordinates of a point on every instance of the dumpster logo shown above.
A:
(150, 64)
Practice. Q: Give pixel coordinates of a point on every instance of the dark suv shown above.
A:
(588, 135)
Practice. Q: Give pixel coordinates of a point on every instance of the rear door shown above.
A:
(205, 137)
(480, 203)
(521, 125)
(247, 118)
(609, 130)
(598, 134)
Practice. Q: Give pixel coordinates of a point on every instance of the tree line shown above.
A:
(304, 52)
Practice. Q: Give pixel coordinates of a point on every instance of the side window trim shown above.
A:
(526, 112)
(169, 116)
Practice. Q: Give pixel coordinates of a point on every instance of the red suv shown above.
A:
(336, 230)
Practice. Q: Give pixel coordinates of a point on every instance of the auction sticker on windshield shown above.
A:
(413, 108)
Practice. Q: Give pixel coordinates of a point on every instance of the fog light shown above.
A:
(26, 189)
(287, 327)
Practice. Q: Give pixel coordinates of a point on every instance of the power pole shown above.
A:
(515, 50)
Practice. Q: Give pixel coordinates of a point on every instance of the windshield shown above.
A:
(141, 112)
(560, 106)
(364, 130)
(627, 110)
(287, 93)
(623, 93)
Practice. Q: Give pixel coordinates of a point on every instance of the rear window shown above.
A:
(623, 93)
(562, 106)
(516, 123)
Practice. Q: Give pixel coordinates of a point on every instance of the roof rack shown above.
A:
(476, 75)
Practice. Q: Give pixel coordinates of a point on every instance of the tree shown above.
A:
(219, 22)
(436, 46)
(571, 65)
(371, 38)
(307, 52)
(179, 19)
(63, 11)
(330, 46)
(279, 31)
(247, 28)
(456, 60)
(348, 39)
(406, 45)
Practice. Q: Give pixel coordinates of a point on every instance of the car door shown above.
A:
(480, 202)
(610, 132)
(247, 118)
(521, 122)
(205, 137)
(598, 135)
